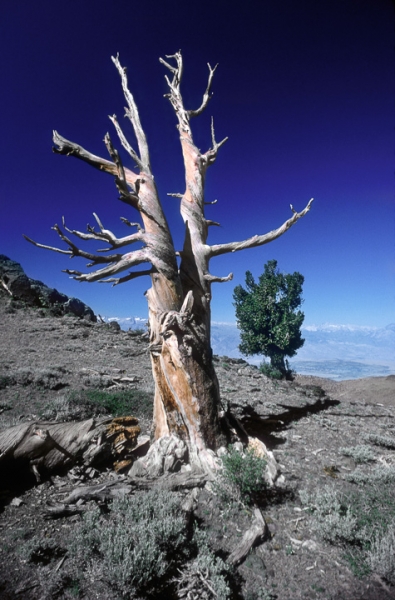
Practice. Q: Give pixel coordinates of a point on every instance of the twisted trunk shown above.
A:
(187, 400)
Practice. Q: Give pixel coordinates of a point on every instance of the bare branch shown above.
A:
(212, 223)
(168, 65)
(213, 202)
(125, 194)
(215, 279)
(211, 154)
(124, 262)
(71, 272)
(75, 251)
(177, 71)
(134, 117)
(259, 240)
(105, 235)
(133, 275)
(206, 96)
(71, 149)
(130, 224)
(69, 252)
(176, 195)
(125, 142)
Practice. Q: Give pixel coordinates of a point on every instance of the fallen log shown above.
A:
(48, 446)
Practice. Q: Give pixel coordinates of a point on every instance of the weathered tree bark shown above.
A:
(254, 535)
(46, 446)
(187, 400)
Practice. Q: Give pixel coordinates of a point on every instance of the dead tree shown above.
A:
(187, 400)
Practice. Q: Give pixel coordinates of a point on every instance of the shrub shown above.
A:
(381, 440)
(5, 381)
(119, 403)
(381, 556)
(361, 521)
(205, 576)
(242, 476)
(270, 371)
(333, 518)
(136, 546)
(361, 454)
(380, 476)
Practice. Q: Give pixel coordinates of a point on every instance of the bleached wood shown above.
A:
(260, 240)
(133, 114)
(252, 536)
(50, 446)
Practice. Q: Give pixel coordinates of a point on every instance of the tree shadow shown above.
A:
(264, 428)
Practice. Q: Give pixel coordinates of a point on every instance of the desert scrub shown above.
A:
(381, 556)
(119, 403)
(361, 453)
(205, 576)
(381, 440)
(380, 475)
(40, 550)
(269, 371)
(360, 520)
(134, 548)
(61, 408)
(333, 518)
(242, 475)
(325, 422)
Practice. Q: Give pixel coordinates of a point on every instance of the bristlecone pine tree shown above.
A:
(187, 402)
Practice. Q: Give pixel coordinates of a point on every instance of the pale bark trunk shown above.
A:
(187, 400)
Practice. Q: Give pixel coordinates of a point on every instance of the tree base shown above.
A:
(170, 454)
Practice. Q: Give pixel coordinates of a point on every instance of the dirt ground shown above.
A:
(305, 423)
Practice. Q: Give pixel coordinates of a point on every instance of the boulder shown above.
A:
(35, 293)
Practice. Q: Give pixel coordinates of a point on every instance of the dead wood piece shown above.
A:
(58, 445)
(252, 536)
(101, 491)
(172, 481)
(62, 510)
(181, 481)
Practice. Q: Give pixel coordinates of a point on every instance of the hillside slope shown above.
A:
(68, 367)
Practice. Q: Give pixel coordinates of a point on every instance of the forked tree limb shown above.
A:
(63, 146)
(126, 261)
(258, 240)
(206, 96)
(133, 275)
(124, 142)
(133, 114)
(74, 251)
(106, 235)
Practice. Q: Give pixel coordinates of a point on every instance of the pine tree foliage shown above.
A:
(268, 315)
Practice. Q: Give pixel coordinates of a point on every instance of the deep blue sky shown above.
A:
(305, 92)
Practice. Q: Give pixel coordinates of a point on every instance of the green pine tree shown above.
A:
(268, 315)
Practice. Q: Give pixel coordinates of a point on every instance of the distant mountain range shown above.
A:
(334, 351)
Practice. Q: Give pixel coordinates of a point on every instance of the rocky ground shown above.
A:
(63, 368)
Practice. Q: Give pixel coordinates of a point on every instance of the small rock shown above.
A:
(16, 502)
